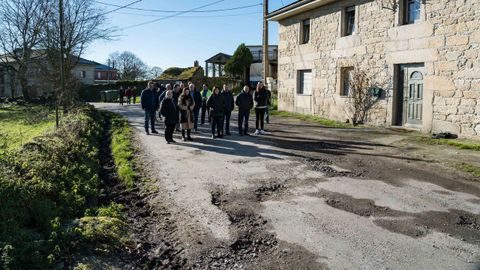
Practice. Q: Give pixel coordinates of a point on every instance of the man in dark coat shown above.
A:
(169, 111)
(197, 98)
(229, 106)
(147, 99)
(245, 104)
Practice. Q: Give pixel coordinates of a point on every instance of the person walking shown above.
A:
(229, 106)
(186, 105)
(128, 94)
(261, 100)
(169, 111)
(197, 98)
(244, 102)
(147, 99)
(206, 93)
(216, 103)
(134, 94)
(121, 94)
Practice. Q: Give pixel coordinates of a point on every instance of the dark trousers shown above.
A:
(243, 117)
(169, 129)
(149, 119)
(205, 109)
(120, 100)
(227, 116)
(217, 122)
(195, 118)
(259, 118)
(134, 99)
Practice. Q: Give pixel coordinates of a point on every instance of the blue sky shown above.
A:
(180, 40)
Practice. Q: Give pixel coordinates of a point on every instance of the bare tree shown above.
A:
(129, 66)
(154, 72)
(83, 24)
(363, 94)
(21, 23)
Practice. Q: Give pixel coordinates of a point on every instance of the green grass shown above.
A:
(319, 120)
(122, 149)
(20, 124)
(469, 168)
(458, 143)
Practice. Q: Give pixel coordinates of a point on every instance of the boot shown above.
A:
(188, 135)
(183, 135)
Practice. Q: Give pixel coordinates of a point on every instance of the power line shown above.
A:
(193, 16)
(173, 15)
(176, 11)
(121, 7)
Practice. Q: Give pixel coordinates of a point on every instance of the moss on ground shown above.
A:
(458, 143)
(310, 118)
(469, 168)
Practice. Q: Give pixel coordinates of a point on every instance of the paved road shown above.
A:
(350, 199)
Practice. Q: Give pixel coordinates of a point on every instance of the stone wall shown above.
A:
(446, 41)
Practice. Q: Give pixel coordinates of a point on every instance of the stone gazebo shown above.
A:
(217, 64)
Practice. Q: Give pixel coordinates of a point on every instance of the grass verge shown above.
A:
(122, 149)
(311, 118)
(458, 143)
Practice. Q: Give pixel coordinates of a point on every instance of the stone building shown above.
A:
(426, 53)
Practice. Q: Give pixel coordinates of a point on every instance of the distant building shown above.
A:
(214, 66)
(426, 51)
(86, 71)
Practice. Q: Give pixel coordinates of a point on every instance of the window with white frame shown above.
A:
(304, 82)
(82, 74)
(305, 32)
(346, 80)
(99, 75)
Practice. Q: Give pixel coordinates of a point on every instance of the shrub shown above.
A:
(46, 184)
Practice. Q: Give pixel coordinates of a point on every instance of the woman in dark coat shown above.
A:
(186, 105)
(217, 104)
(168, 109)
(261, 100)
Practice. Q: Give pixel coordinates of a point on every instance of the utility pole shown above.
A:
(62, 69)
(266, 63)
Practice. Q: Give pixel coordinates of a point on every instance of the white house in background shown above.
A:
(86, 71)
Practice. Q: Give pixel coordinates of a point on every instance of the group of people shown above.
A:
(181, 106)
(130, 93)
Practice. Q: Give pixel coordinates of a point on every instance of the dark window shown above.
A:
(82, 74)
(349, 22)
(305, 38)
(304, 82)
(347, 74)
(411, 11)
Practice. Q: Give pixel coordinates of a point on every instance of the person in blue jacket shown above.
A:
(148, 103)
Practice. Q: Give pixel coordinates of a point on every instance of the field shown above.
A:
(19, 124)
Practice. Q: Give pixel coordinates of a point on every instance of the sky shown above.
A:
(180, 40)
